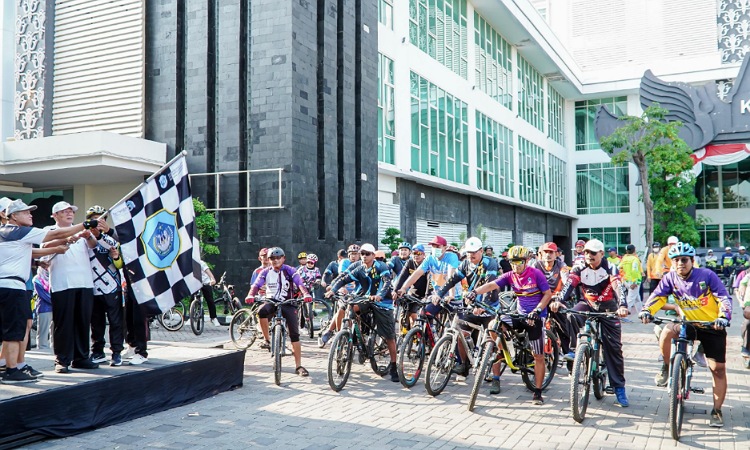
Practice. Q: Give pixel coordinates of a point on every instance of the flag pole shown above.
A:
(137, 188)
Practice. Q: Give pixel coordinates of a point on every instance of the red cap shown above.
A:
(438, 241)
(580, 242)
(504, 255)
(394, 253)
(263, 252)
(548, 246)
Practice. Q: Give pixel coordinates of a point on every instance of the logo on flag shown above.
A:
(156, 227)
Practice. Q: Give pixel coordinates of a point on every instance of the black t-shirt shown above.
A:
(420, 286)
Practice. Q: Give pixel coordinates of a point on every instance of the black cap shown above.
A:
(656, 244)
(630, 248)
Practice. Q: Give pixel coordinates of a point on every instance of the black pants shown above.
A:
(746, 334)
(611, 339)
(564, 330)
(71, 315)
(208, 297)
(136, 323)
(107, 306)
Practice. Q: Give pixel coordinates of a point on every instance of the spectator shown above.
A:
(663, 262)
(652, 272)
(489, 251)
(632, 275)
(504, 264)
(711, 260)
(208, 279)
(613, 259)
(578, 252)
(43, 309)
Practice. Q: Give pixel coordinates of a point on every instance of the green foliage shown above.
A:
(478, 232)
(205, 224)
(653, 145)
(392, 238)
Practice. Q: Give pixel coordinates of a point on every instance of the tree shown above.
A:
(205, 224)
(392, 238)
(664, 167)
(479, 232)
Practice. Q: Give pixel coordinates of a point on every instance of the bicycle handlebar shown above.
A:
(593, 314)
(662, 319)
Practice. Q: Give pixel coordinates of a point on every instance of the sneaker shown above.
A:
(747, 363)
(60, 368)
(662, 377)
(459, 369)
(215, 322)
(3, 368)
(660, 358)
(324, 338)
(31, 371)
(187, 323)
(98, 358)
(85, 364)
(129, 353)
(717, 419)
(116, 360)
(700, 359)
(394, 373)
(744, 352)
(495, 387)
(622, 397)
(626, 320)
(570, 356)
(537, 399)
(17, 377)
(138, 359)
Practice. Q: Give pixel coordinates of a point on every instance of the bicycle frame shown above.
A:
(458, 338)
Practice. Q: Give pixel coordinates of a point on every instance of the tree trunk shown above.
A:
(648, 205)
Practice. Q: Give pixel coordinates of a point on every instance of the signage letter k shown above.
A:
(744, 106)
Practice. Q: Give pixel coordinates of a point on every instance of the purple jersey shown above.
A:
(278, 283)
(529, 287)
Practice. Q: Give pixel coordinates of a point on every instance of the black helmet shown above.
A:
(275, 252)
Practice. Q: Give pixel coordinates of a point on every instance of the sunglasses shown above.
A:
(274, 258)
(682, 259)
(517, 261)
(365, 253)
(418, 253)
(590, 252)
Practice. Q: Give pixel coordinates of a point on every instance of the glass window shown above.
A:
(558, 188)
(386, 111)
(586, 116)
(617, 237)
(493, 68)
(736, 234)
(438, 28)
(602, 188)
(734, 180)
(532, 173)
(385, 13)
(531, 95)
(440, 147)
(494, 156)
(556, 105)
(707, 188)
(709, 235)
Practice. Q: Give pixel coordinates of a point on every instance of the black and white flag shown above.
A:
(156, 228)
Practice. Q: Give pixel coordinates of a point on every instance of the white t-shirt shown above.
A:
(16, 244)
(204, 276)
(72, 269)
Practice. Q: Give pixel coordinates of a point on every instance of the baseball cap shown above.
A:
(418, 248)
(594, 245)
(4, 202)
(394, 253)
(710, 250)
(438, 241)
(61, 206)
(656, 245)
(672, 240)
(630, 248)
(404, 245)
(548, 247)
(18, 206)
(367, 248)
(611, 249)
(742, 247)
(728, 248)
(473, 244)
(580, 242)
(504, 255)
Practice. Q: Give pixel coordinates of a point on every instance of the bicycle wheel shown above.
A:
(439, 366)
(340, 360)
(527, 364)
(310, 313)
(488, 357)
(243, 328)
(196, 316)
(411, 357)
(380, 357)
(579, 382)
(277, 350)
(599, 377)
(551, 359)
(677, 394)
(172, 319)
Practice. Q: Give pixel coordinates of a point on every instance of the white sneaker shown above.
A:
(129, 352)
(138, 360)
(215, 321)
(187, 323)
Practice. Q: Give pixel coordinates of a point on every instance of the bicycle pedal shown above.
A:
(609, 390)
(698, 390)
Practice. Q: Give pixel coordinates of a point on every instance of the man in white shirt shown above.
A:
(72, 292)
(17, 239)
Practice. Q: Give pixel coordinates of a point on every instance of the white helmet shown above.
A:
(473, 244)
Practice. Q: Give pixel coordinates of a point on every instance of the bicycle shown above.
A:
(354, 328)
(278, 332)
(309, 311)
(417, 342)
(197, 311)
(680, 372)
(588, 365)
(173, 318)
(244, 328)
(231, 303)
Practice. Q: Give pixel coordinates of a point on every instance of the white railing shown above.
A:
(217, 188)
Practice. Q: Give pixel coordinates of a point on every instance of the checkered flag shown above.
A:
(156, 228)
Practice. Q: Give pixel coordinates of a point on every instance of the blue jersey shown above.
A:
(438, 268)
(375, 280)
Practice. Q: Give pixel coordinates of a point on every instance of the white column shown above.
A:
(472, 119)
(402, 84)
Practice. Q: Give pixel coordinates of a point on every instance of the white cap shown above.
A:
(18, 206)
(61, 206)
(473, 244)
(727, 248)
(710, 250)
(672, 240)
(594, 245)
(367, 248)
(4, 202)
(742, 247)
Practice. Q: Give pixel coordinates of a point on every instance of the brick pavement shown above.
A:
(375, 413)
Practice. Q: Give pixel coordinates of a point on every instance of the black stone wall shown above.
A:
(268, 84)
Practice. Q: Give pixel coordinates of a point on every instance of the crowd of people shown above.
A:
(81, 291)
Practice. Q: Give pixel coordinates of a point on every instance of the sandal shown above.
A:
(301, 371)
(265, 345)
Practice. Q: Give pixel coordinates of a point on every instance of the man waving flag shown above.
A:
(156, 229)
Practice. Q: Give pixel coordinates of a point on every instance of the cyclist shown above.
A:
(278, 279)
(477, 269)
(264, 263)
(578, 256)
(309, 273)
(701, 296)
(419, 288)
(350, 263)
(531, 287)
(744, 299)
(440, 265)
(742, 259)
(332, 270)
(302, 259)
(727, 262)
(631, 276)
(599, 290)
(556, 273)
(353, 256)
(374, 280)
(711, 260)
(397, 263)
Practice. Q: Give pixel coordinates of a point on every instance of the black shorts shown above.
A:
(535, 332)
(27, 305)
(14, 313)
(714, 341)
(383, 319)
(289, 312)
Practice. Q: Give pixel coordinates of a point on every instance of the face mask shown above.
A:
(656, 250)
(437, 252)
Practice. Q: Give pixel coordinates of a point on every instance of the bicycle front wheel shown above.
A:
(243, 328)
(580, 382)
(196, 317)
(309, 319)
(278, 351)
(488, 358)
(599, 376)
(677, 394)
(380, 357)
(172, 319)
(340, 360)
(411, 357)
(439, 366)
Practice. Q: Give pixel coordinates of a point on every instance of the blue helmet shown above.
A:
(404, 245)
(418, 248)
(681, 249)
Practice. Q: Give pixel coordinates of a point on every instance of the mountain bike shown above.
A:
(357, 332)
(173, 318)
(680, 372)
(319, 307)
(588, 365)
(278, 332)
(244, 328)
(231, 303)
(417, 342)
